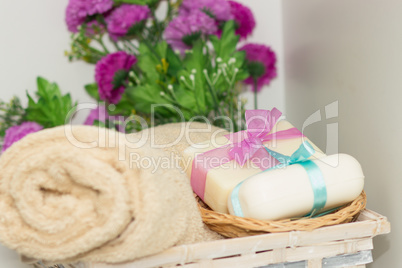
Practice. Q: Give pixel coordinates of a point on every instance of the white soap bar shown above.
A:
(287, 192)
(221, 180)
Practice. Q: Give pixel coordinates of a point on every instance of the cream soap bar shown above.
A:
(287, 192)
(221, 180)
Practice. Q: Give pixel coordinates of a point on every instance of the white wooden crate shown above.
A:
(344, 245)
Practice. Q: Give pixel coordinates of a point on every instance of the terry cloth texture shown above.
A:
(82, 196)
(176, 137)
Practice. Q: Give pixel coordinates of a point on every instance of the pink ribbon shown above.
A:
(245, 146)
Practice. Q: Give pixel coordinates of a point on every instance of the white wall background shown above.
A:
(34, 38)
(351, 52)
(269, 32)
(33, 41)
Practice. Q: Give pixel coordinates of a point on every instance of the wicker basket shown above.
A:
(233, 226)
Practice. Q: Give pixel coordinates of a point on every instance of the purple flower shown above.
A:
(263, 58)
(244, 19)
(105, 72)
(185, 29)
(77, 11)
(100, 113)
(98, 6)
(217, 9)
(16, 133)
(125, 17)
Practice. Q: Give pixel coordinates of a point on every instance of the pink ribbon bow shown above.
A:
(259, 124)
(245, 146)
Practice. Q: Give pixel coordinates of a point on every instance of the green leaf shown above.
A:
(144, 96)
(147, 62)
(51, 108)
(148, 99)
(242, 75)
(175, 64)
(161, 49)
(197, 61)
(92, 90)
(124, 107)
(186, 99)
(225, 49)
(42, 84)
(226, 45)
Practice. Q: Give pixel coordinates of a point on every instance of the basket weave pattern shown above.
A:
(233, 226)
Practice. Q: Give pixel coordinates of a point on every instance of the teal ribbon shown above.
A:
(300, 156)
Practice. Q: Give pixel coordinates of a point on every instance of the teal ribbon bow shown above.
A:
(300, 157)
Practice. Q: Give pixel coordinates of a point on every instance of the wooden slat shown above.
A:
(299, 264)
(314, 263)
(383, 225)
(370, 224)
(290, 255)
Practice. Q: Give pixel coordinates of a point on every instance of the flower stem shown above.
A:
(169, 14)
(100, 41)
(116, 45)
(255, 94)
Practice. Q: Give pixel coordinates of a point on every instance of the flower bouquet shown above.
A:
(182, 65)
(156, 62)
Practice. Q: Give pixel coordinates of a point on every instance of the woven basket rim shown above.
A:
(234, 226)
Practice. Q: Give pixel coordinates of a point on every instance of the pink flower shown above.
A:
(260, 57)
(183, 30)
(217, 9)
(244, 19)
(16, 133)
(123, 18)
(105, 72)
(77, 11)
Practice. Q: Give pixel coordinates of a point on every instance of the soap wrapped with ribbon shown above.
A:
(300, 188)
(217, 166)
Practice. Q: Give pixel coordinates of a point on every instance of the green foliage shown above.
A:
(200, 84)
(82, 47)
(11, 114)
(125, 107)
(92, 90)
(225, 47)
(148, 59)
(51, 108)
